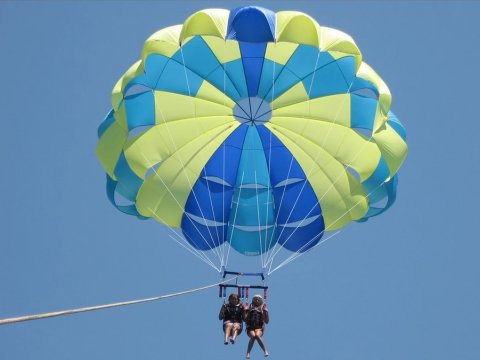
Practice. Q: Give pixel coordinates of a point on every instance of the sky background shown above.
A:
(404, 285)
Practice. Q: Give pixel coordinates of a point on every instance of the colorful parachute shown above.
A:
(251, 128)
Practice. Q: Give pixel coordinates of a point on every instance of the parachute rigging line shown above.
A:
(276, 249)
(107, 306)
(206, 261)
(202, 256)
(173, 196)
(295, 256)
(192, 101)
(315, 162)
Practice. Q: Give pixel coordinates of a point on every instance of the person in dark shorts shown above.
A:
(232, 315)
(256, 316)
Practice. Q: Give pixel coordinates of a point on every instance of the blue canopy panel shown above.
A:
(234, 70)
(139, 84)
(252, 240)
(284, 81)
(128, 183)
(169, 80)
(229, 79)
(373, 185)
(197, 56)
(333, 78)
(362, 112)
(253, 55)
(251, 24)
(140, 110)
(107, 122)
(395, 123)
(301, 236)
(270, 71)
(207, 210)
(253, 27)
(129, 209)
(299, 219)
(203, 234)
(153, 67)
(364, 87)
(389, 195)
(252, 214)
(304, 61)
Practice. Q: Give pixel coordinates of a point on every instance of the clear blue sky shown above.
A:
(404, 285)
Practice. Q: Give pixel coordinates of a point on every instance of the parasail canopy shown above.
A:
(251, 130)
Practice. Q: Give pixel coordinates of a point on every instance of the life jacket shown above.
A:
(232, 313)
(255, 318)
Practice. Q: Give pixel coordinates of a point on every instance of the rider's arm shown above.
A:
(266, 317)
(221, 315)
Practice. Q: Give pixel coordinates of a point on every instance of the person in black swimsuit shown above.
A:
(232, 315)
(256, 316)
